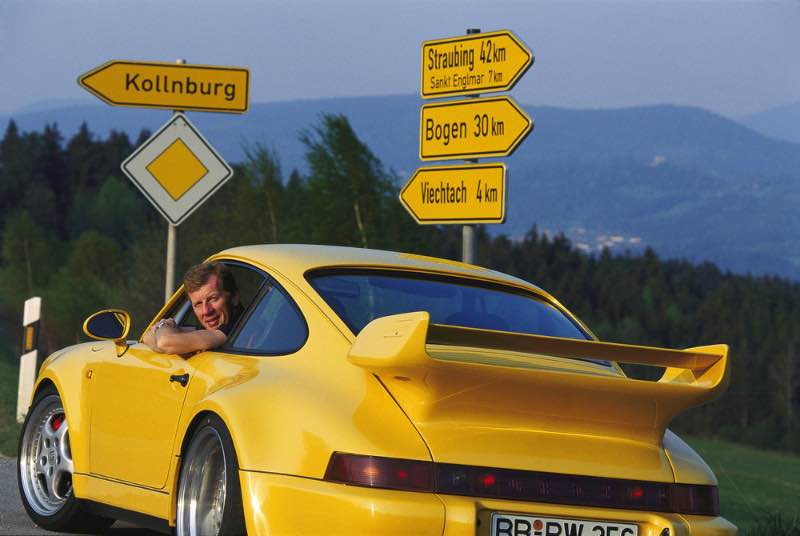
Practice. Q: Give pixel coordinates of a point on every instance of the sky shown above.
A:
(733, 58)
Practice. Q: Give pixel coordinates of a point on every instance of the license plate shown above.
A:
(518, 525)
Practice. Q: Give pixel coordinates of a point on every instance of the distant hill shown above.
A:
(683, 180)
(781, 122)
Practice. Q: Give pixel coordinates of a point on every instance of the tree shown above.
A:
(28, 257)
(347, 183)
(263, 170)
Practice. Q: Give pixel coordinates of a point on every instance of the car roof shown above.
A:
(294, 260)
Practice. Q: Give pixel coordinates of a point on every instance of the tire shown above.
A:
(44, 470)
(209, 498)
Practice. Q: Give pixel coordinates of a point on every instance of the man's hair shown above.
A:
(199, 274)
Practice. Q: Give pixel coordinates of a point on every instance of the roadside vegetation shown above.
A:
(9, 429)
(759, 489)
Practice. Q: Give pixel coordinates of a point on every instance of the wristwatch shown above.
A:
(160, 324)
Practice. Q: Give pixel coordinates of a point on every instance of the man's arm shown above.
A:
(166, 337)
(170, 339)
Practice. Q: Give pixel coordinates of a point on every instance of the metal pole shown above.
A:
(172, 241)
(469, 245)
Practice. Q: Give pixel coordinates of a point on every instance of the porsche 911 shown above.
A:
(371, 392)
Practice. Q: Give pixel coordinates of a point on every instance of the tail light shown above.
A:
(375, 472)
(450, 479)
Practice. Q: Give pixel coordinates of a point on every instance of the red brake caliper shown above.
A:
(57, 421)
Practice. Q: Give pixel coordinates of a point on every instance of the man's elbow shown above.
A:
(168, 345)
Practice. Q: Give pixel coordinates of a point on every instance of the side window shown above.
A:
(274, 327)
(182, 312)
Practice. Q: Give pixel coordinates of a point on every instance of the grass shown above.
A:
(9, 429)
(759, 489)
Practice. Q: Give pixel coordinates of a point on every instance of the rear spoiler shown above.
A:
(696, 360)
(397, 348)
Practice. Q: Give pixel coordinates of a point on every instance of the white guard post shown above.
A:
(30, 354)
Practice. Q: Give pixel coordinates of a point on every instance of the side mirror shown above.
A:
(109, 324)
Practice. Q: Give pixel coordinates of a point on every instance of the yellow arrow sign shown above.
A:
(474, 63)
(170, 85)
(457, 194)
(474, 128)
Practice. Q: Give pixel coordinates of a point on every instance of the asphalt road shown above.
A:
(15, 521)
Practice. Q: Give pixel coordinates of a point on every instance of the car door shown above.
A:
(135, 410)
(137, 399)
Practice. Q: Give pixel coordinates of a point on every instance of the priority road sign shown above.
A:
(177, 169)
(457, 194)
(473, 63)
(173, 86)
(472, 128)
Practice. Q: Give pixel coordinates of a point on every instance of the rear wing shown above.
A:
(399, 347)
(695, 360)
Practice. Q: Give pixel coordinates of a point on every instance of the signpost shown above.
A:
(176, 169)
(173, 86)
(457, 194)
(467, 129)
(473, 63)
(471, 128)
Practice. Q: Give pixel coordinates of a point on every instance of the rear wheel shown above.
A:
(45, 469)
(209, 501)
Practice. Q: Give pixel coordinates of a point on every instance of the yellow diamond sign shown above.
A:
(177, 169)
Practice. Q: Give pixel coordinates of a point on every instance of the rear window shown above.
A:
(359, 297)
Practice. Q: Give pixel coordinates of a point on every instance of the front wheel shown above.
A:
(45, 469)
(209, 499)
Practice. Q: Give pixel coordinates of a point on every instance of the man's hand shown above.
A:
(166, 337)
(151, 336)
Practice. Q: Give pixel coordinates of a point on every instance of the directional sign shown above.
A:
(457, 194)
(170, 85)
(177, 169)
(474, 63)
(472, 128)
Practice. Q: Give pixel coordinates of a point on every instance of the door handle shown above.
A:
(182, 379)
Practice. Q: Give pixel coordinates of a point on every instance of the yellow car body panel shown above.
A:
(68, 370)
(289, 413)
(135, 412)
(281, 504)
(123, 495)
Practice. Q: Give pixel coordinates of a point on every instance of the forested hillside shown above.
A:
(76, 232)
(683, 180)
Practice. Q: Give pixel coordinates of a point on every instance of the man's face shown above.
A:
(212, 305)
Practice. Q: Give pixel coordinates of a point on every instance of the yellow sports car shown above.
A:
(369, 392)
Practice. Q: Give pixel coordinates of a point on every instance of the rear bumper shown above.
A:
(280, 504)
(469, 516)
